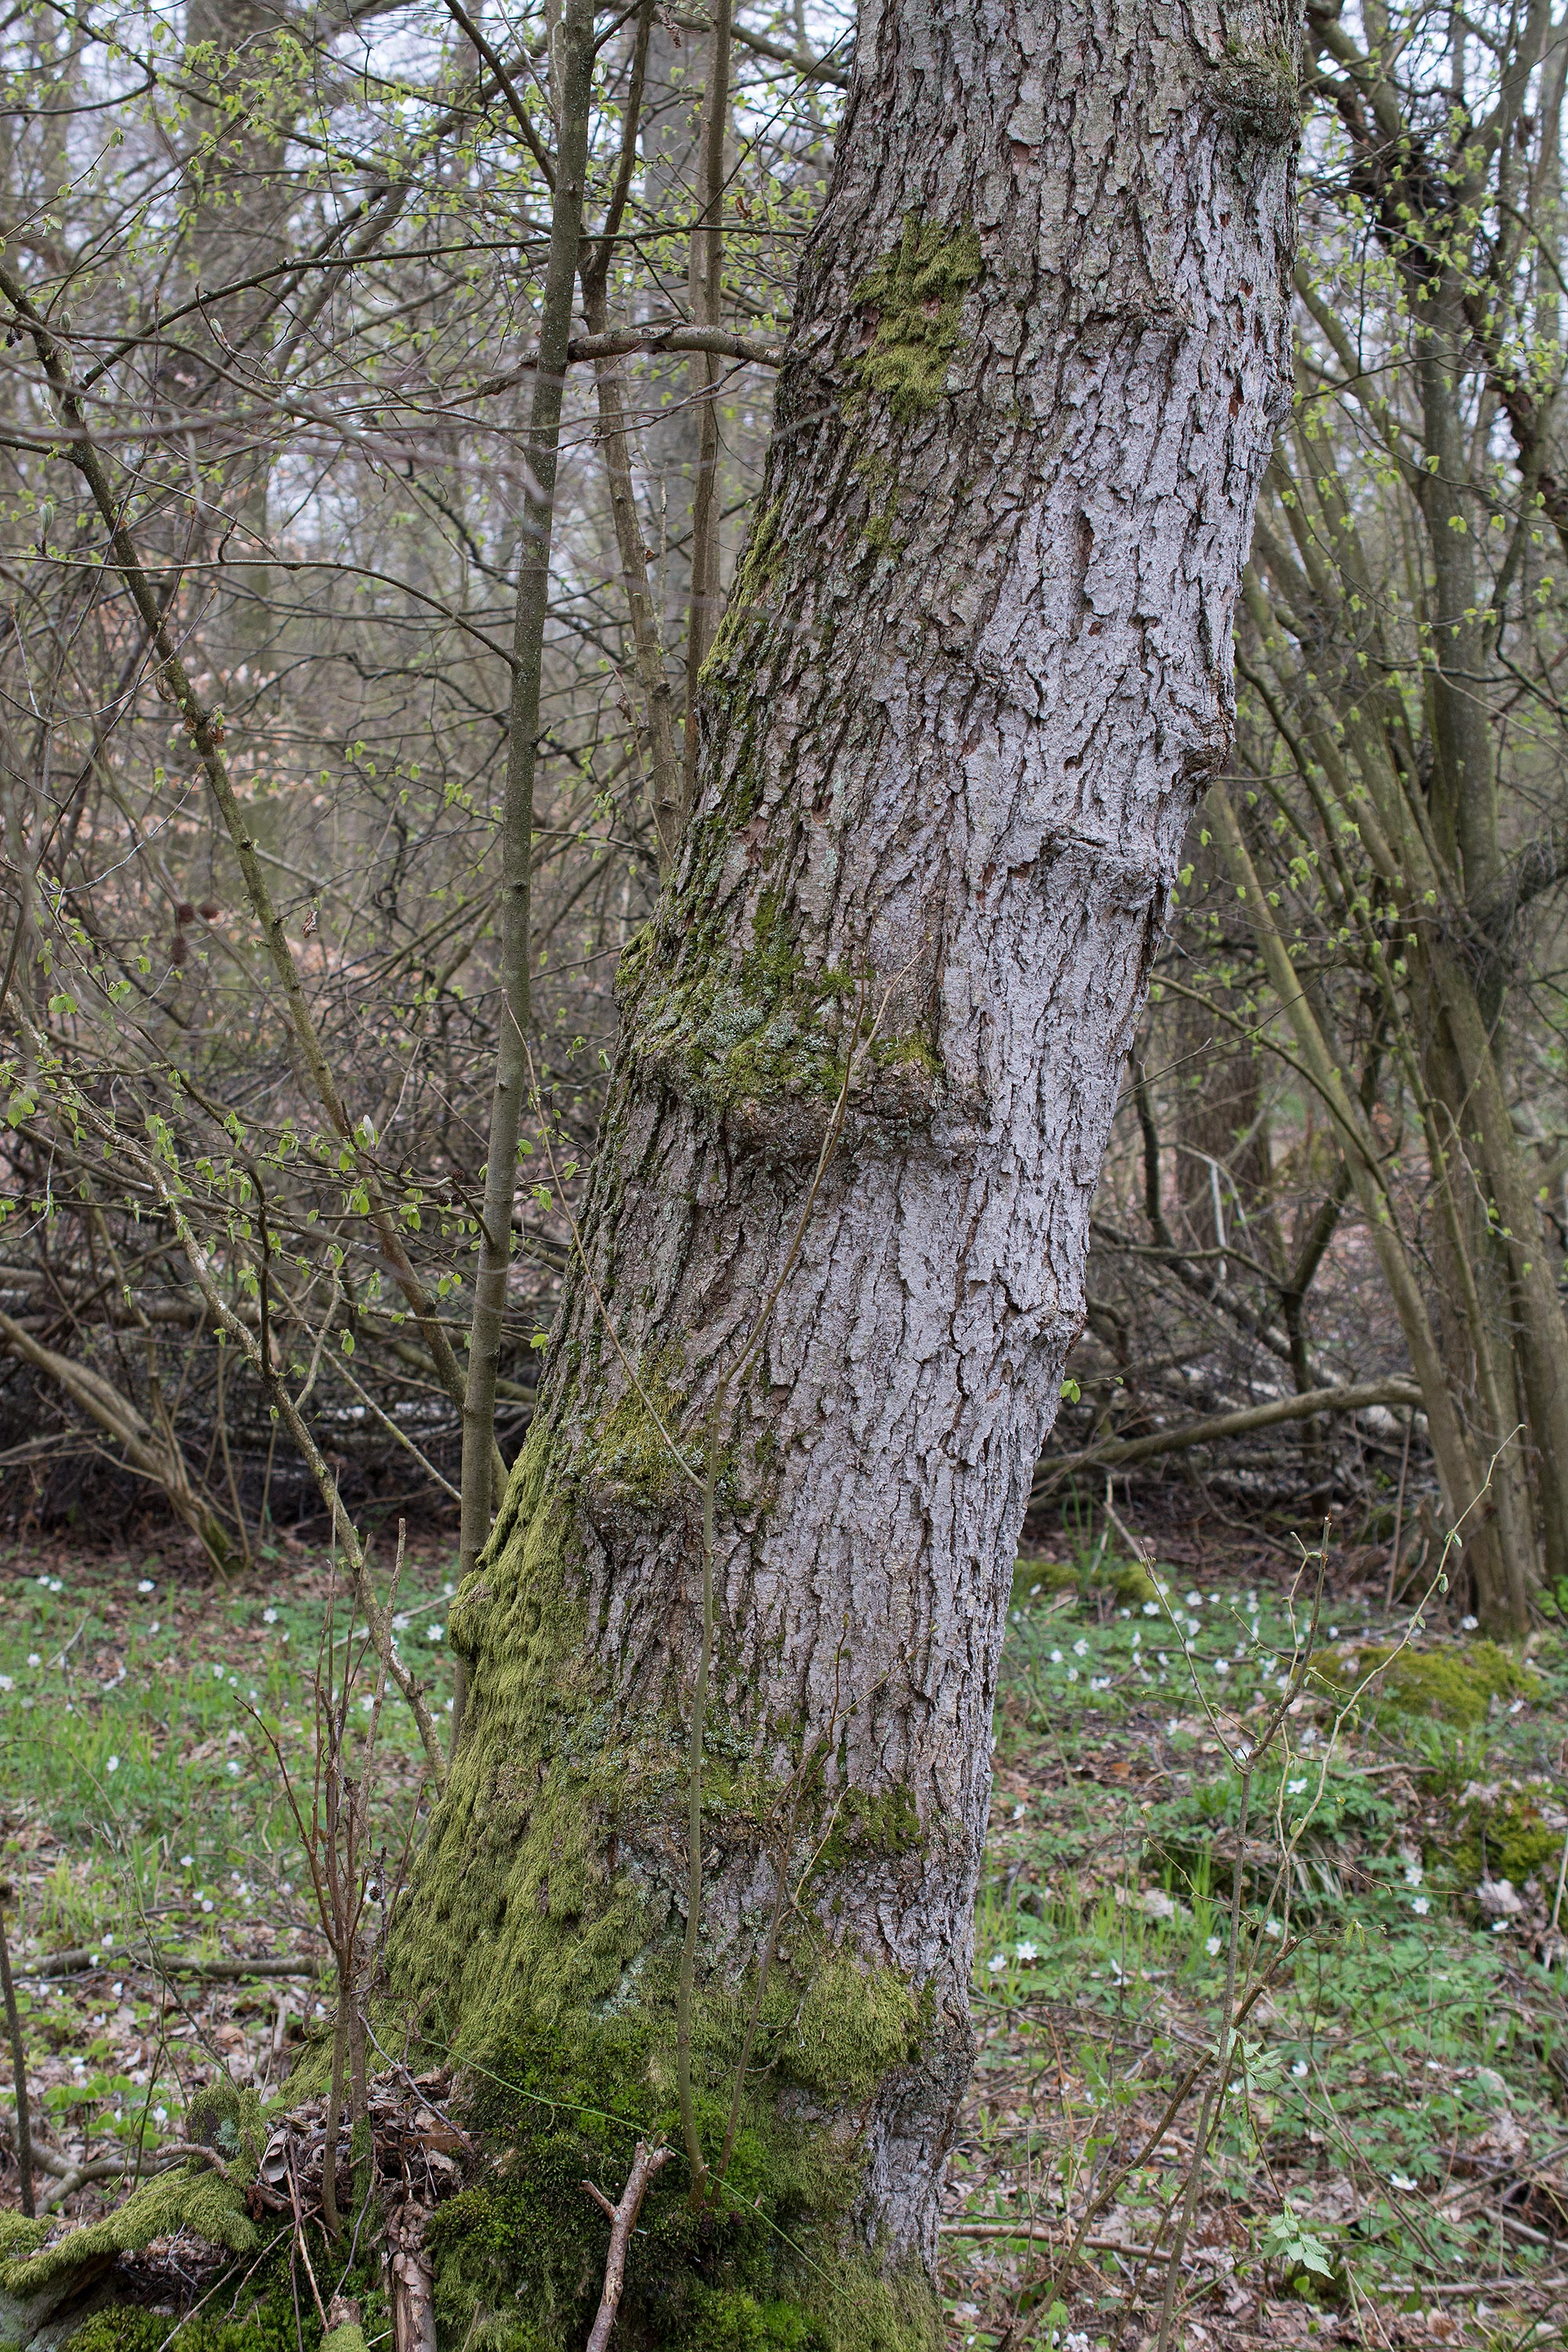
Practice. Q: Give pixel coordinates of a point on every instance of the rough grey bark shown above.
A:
(976, 668)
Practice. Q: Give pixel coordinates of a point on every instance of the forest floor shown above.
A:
(1390, 2166)
(1387, 2166)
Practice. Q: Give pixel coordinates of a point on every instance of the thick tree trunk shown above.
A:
(975, 668)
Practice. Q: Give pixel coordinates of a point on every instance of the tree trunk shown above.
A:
(975, 668)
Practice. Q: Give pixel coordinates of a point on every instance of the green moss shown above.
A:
(761, 1031)
(1502, 1835)
(636, 956)
(1132, 1584)
(1454, 1685)
(1259, 94)
(255, 2312)
(634, 1447)
(1038, 1579)
(18, 2236)
(864, 1825)
(201, 2200)
(907, 1053)
(917, 292)
(855, 2025)
(739, 2322)
(755, 574)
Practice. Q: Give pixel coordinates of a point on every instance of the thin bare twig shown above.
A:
(646, 2162)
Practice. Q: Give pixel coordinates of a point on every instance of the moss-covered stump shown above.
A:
(53, 2274)
(81, 2285)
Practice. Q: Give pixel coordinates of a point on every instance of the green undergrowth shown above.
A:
(1411, 2035)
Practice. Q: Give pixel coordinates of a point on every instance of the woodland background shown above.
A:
(293, 260)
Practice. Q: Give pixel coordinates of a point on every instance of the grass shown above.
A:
(1400, 2111)
(143, 1808)
(1398, 2106)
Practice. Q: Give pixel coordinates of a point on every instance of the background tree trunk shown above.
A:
(976, 668)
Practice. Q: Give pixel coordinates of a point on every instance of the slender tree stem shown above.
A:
(694, 1825)
(664, 774)
(706, 296)
(18, 2069)
(572, 47)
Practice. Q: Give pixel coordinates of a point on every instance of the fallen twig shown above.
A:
(1044, 2237)
(646, 2162)
(82, 1962)
(1122, 1452)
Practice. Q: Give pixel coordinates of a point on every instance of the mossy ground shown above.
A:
(1455, 1685)
(1503, 1833)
